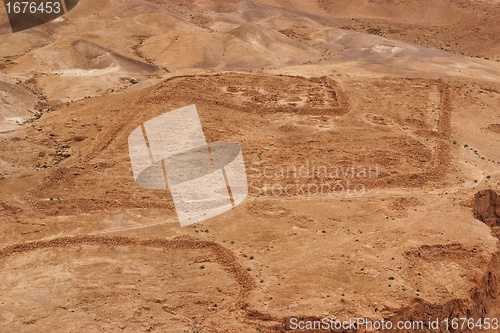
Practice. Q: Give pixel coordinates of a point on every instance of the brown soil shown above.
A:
(381, 143)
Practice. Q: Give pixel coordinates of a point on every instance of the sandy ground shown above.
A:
(301, 84)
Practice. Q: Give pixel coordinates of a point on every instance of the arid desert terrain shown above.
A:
(395, 102)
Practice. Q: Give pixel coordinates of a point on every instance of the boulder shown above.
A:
(487, 207)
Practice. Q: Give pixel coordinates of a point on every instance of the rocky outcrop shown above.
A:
(487, 207)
